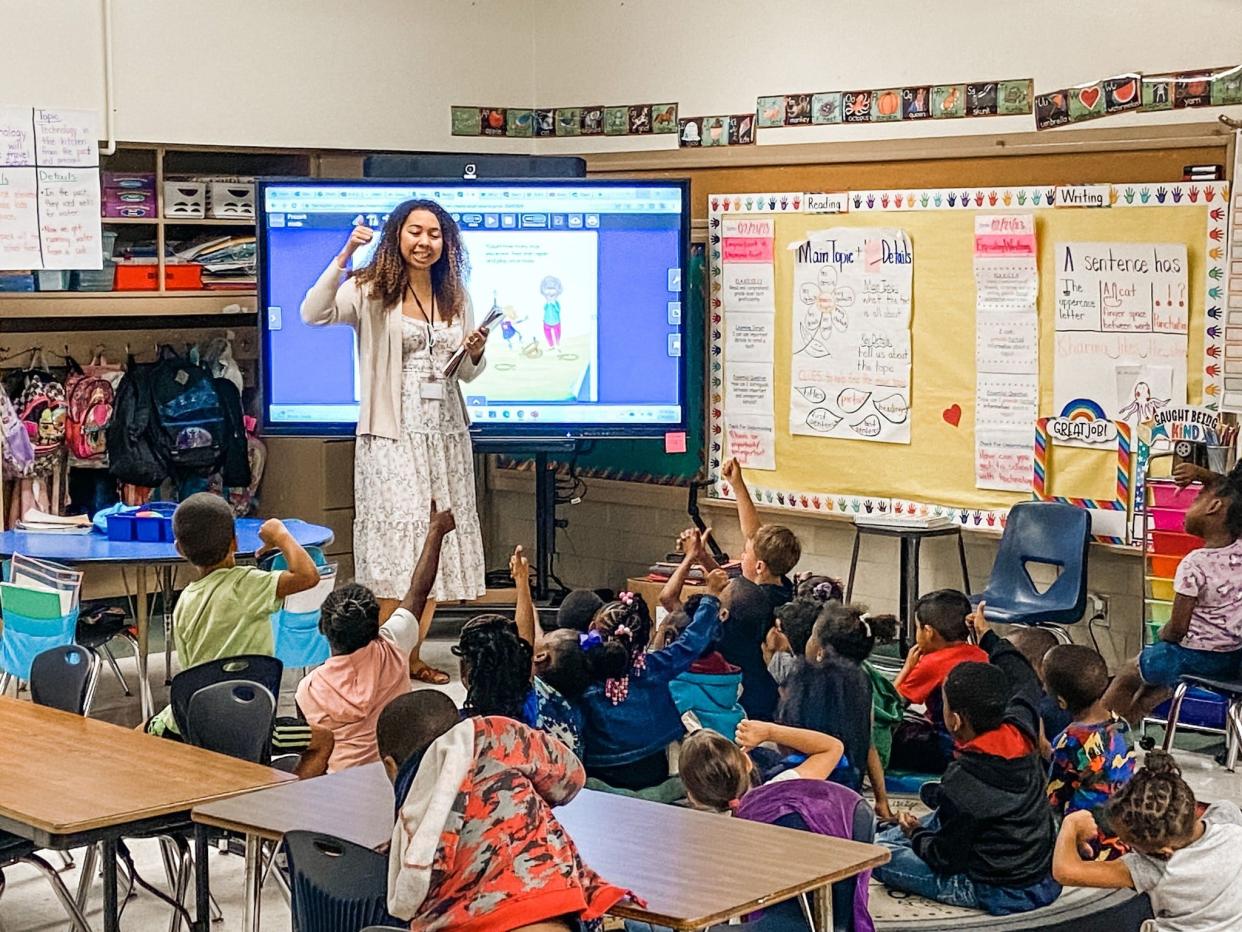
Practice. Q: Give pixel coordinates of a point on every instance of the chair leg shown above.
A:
(58, 887)
(90, 863)
(4, 683)
(1175, 710)
(66, 860)
(144, 685)
(116, 668)
(92, 684)
(1233, 734)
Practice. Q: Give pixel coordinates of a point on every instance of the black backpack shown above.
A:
(135, 454)
(235, 459)
(192, 425)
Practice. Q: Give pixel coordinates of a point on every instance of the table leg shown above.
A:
(142, 620)
(821, 907)
(903, 597)
(961, 553)
(166, 589)
(111, 907)
(915, 546)
(202, 881)
(254, 885)
(849, 585)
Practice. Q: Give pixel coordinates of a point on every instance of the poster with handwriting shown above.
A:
(748, 337)
(1120, 308)
(850, 371)
(1004, 459)
(66, 138)
(69, 228)
(752, 441)
(17, 142)
(19, 219)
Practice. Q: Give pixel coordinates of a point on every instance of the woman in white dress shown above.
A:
(411, 311)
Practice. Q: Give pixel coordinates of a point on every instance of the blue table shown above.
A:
(94, 549)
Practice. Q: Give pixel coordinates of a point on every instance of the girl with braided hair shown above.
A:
(1189, 864)
(630, 716)
(411, 312)
(495, 667)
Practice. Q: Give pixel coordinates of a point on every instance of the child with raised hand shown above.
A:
(370, 662)
(630, 715)
(1092, 758)
(1203, 636)
(942, 641)
(988, 843)
(476, 845)
(1189, 865)
(1034, 643)
(771, 551)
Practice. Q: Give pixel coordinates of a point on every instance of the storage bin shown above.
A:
(1164, 493)
(230, 200)
(1159, 612)
(1201, 707)
(1160, 588)
(17, 281)
(129, 181)
(49, 280)
(1164, 567)
(183, 276)
(135, 277)
(1174, 545)
(1166, 519)
(123, 526)
(95, 279)
(123, 202)
(185, 199)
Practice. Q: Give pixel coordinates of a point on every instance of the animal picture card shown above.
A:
(640, 119)
(797, 109)
(771, 111)
(1013, 98)
(616, 121)
(981, 99)
(545, 123)
(520, 123)
(592, 121)
(857, 106)
(664, 118)
(948, 101)
(569, 121)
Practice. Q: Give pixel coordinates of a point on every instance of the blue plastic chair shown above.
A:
(1047, 533)
(336, 886)
(299, 642)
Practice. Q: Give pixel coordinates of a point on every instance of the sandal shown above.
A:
(430, 675)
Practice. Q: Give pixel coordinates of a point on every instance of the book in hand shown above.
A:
(455, 361)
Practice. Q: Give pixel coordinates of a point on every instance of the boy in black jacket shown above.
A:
(988, 844)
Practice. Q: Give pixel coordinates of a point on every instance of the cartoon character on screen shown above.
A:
(509, 329)
(825, 304)
(1143, 406)
(551, 289)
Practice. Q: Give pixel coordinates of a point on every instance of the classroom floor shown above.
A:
(28, 906)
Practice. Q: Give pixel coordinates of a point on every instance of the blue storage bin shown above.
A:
(127, 525)
(122, 527)
(150, 530)
(1201, 708)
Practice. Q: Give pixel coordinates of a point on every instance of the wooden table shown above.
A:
(649, 590)
(739, 866)
(68, 781)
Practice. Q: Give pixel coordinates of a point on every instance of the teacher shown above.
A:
(411, 311)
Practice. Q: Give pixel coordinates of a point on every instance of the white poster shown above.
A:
(748, 389)
(1004, 459)
(748, 337)
(748, 286)
(850, 371)
(752, 441)
(19, 219)
(1119, 306)
(1007, 341)
(1006, 401)
(69, 225)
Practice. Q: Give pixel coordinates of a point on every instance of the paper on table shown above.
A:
(19, 218)
(1004, 400)
(748, 389)
(1007, 341)
(16, 136)
(69, 224)
(1004, 459)
(752, 441)
(66, 138)
(747, 286)
(749, 337)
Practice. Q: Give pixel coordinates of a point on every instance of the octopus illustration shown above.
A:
(1143, 406)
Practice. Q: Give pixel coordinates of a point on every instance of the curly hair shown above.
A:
(1156, 808)
(1228, 488)
(797, 620)
(385, 275)
(850, 631)
(820, 587)
(617, 644)
(495, 665)
(349, 618)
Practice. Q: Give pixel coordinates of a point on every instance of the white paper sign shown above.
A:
(1006, 401)
(850, 372)
(66, 138)
(748, 337)
(17, 144)
(1004, 459)
(1007, 341)
(752, 441)
(748, 389)
(69, 224)
(19, 219)
(747, 286)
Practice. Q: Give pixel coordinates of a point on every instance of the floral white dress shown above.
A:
(396, 480)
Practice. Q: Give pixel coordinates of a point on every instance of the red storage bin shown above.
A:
(1167, 494)
(1164, 567)
(1168, 544)
(184, 277)
(1166, 519)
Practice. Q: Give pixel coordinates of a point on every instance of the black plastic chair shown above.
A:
(1042, 533)
(336, 886)
(1231, 689)
(253, 668)
(64, 678)
(233, 718)
(15, 850)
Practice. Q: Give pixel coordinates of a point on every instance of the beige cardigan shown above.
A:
(331, 301)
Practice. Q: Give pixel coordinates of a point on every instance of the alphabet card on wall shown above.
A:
(1122, 317)
(850, 374)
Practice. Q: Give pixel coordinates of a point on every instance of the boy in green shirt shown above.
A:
(225, 611)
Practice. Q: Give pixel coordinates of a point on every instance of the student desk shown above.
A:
(69, 781)
(646, 847)
(94, 549)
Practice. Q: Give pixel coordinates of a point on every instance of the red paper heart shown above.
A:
(1089, 97)
(952, 415)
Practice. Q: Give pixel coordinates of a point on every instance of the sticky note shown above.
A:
(675, 442)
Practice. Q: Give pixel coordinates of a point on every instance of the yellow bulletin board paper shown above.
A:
(934, 473)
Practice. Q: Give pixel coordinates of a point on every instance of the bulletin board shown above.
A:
(934, 474)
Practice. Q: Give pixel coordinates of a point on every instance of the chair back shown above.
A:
(253, 668)
(233, 718)
(61, 678)
(33, 623)
(1048, 533)
(336, 886)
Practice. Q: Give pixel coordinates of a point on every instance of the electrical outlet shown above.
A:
(1097, 608)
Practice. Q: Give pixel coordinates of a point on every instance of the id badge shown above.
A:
(431, 391)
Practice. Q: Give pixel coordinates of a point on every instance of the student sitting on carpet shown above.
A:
(1034, 644)
(629, 713)
(1190, 865)
(476, 846)
(988, 843)
(370, 662)
(1092, 758)
(923, 744)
